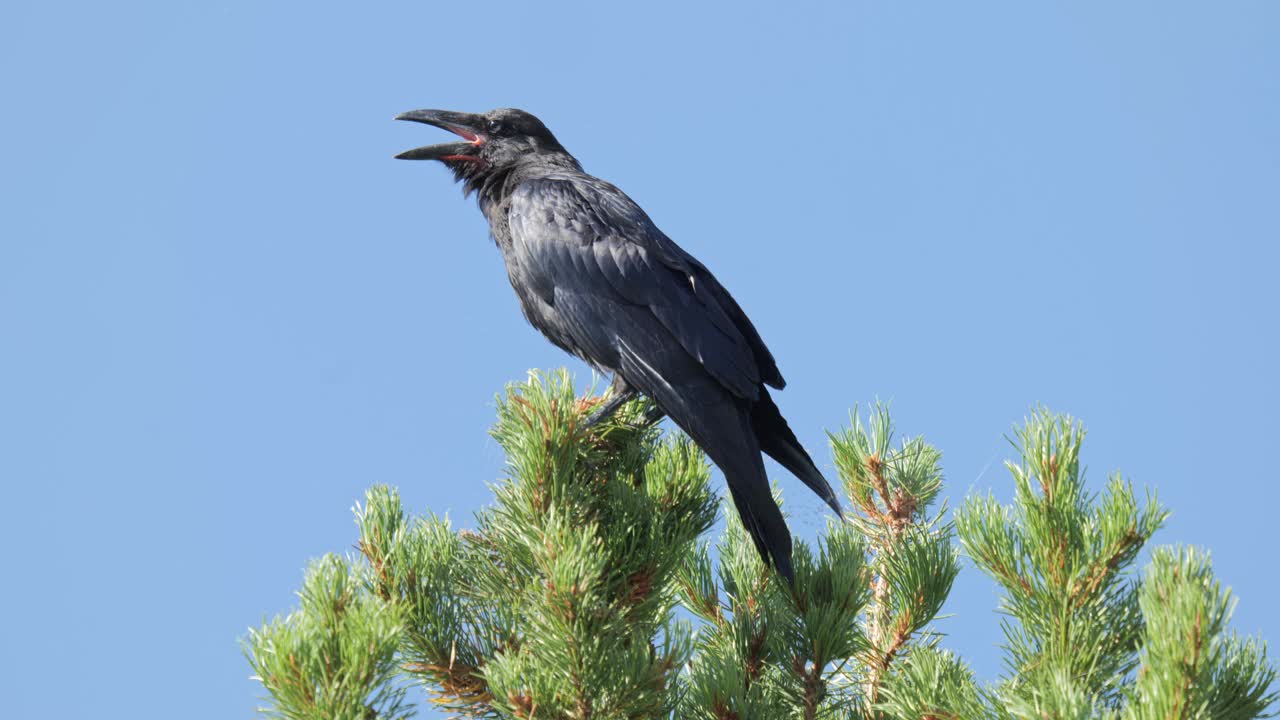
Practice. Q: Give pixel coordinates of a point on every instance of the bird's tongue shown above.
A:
(464, 133)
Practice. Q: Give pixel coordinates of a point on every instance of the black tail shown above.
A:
(776, 439)
(721, 424)
(749, 487)
(724, 433)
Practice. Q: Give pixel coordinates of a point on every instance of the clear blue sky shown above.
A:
(226, 310)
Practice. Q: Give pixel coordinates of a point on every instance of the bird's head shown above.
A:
(491, 142)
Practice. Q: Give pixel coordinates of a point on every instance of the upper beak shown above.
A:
(465, 125)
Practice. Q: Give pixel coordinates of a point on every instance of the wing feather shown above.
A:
(590, 242)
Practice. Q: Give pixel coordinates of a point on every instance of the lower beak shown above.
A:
(438, 152)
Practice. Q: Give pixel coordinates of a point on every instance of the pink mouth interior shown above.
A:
(466, 135)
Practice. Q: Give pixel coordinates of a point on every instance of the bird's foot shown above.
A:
(605, 411)
(652, 416)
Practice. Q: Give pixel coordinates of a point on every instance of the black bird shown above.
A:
(601, 281)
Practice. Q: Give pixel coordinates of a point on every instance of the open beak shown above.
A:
(464, 125)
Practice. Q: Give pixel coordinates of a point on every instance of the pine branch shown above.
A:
(912, 563)
(334, 657)
(933, 684)
(1191, 667)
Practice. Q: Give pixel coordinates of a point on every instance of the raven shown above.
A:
(602, 282)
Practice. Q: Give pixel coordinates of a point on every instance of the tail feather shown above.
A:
(731, 446)
(721, 425)
(763, 521)
(780, 443)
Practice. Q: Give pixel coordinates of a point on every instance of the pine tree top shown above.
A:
(585, 590)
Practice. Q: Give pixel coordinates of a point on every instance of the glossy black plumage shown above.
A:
(595, 275)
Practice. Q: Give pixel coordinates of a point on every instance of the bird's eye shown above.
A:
(496, 127)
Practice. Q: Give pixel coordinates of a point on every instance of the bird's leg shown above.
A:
(653, 415)
(619, 392)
